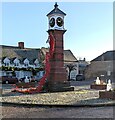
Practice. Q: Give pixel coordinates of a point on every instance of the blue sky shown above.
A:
(89, 26)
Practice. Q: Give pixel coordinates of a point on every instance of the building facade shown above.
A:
(102, 66)
(20, 61)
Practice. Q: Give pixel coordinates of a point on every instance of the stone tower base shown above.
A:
(60, 87)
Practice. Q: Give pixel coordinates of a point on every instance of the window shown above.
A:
(36, 62)
(26, 62)
(6, 61)
(16, 62)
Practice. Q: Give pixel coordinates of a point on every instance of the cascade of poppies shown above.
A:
(47, 62)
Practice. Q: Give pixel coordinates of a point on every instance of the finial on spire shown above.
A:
(56, 5)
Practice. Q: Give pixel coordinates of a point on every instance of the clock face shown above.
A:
(59, 21)
(52, 22)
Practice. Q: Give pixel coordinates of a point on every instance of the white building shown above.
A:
(20, 61)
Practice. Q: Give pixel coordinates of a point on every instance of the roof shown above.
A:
(15, 52)
(68, 55)
(107, 56)
(31, 54)
(56, 10)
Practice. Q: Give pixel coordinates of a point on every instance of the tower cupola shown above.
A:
(56, 19)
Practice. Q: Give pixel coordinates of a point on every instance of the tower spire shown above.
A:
(56, 5)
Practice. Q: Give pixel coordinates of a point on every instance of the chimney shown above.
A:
(21, 45)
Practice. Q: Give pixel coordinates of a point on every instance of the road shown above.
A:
(45, 112)
(85, 83)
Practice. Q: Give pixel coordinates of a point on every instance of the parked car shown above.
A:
(80, 77)
(8, 79)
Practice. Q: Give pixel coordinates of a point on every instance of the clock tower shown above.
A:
(57, 80)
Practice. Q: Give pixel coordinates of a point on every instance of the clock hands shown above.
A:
(52, 22)
(59, 22)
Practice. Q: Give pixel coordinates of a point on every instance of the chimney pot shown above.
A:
(21, 45)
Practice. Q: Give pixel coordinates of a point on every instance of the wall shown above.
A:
(98, 68)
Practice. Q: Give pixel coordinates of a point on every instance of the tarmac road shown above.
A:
(68, 112)
(85, 83)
